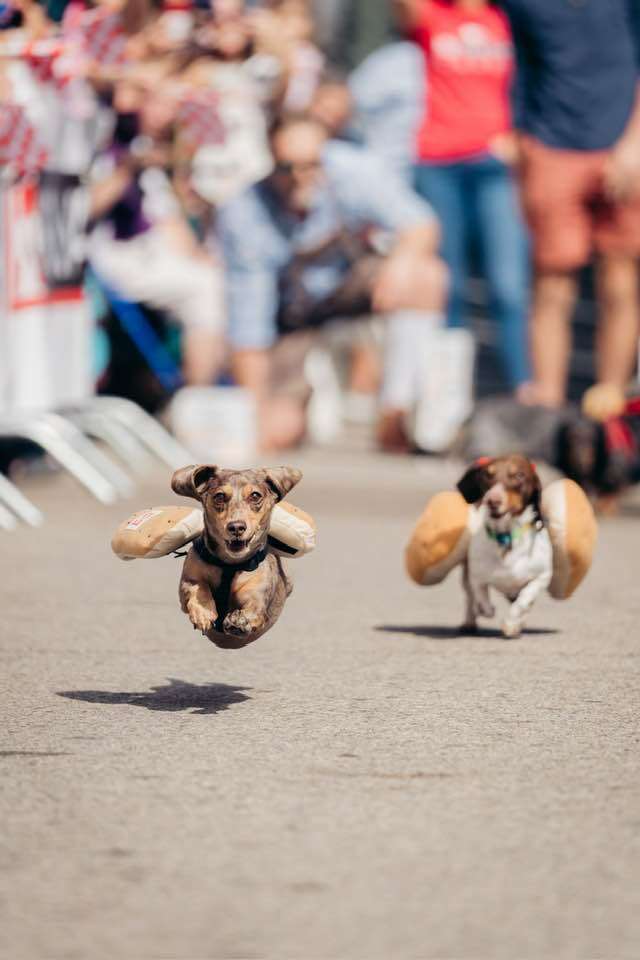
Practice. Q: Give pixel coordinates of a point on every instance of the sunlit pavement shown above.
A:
(360, 783)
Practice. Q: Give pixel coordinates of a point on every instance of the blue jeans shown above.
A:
(477, 204)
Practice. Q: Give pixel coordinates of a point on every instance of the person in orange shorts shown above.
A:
(578, 115)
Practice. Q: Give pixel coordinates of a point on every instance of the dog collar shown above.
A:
(251, 563)
(510, 537)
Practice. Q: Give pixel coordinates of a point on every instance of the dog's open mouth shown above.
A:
(237, 546)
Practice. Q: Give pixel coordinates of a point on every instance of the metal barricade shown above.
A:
(46, 387)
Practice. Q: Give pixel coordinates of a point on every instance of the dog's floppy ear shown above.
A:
(191, 481)
(474, 484)
(282, 480)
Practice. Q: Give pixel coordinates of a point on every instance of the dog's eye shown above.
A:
(219, 499)
(255, 497)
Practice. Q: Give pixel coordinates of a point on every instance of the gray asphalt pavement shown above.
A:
(360, 783)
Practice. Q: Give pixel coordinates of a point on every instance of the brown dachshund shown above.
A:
(232, 588)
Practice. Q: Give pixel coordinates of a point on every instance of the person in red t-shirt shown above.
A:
(462, 163)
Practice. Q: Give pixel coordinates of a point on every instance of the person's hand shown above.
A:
(506, 148)
(145, 152)
(622, 170)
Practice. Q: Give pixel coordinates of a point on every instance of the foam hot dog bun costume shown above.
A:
(159, 531)
(573, 530)
(441, 538)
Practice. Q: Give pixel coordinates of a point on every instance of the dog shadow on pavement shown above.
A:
(440, 632)
(201, 699)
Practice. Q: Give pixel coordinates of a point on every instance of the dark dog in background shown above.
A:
(604, 458)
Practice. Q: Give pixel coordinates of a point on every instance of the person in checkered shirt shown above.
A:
(298, 253)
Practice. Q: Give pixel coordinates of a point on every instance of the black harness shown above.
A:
(229, 571)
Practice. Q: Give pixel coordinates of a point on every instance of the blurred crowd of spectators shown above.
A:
(261, 171)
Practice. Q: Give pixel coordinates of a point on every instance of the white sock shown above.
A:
(406, 337)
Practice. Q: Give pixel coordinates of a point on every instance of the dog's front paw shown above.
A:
(201, 618)
(511, 629)
(237, 624)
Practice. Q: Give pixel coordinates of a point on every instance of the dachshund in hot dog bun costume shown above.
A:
(233, 585)
(508, 534)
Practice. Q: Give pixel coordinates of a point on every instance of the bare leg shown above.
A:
(407, 327)
(282, 423)
(619, 301)
(252, 369)
(364, 375)
(202, 357)
(281, 419)
(554, 296)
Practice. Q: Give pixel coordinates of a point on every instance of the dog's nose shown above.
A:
(237, 529)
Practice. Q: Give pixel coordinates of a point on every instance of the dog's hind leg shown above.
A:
(478, 600)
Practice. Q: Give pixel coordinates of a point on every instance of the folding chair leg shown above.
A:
(66, 444)
(102, 464)
(18, 503)
(105, 427)
(7, 519)
(146, 429)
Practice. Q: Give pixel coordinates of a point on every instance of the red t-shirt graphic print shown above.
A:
(469, 61)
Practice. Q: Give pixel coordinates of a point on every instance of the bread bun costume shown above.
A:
(573, 531)
(441, 538)
(159, 531)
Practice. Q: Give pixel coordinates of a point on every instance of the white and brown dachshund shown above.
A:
(511, 551)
